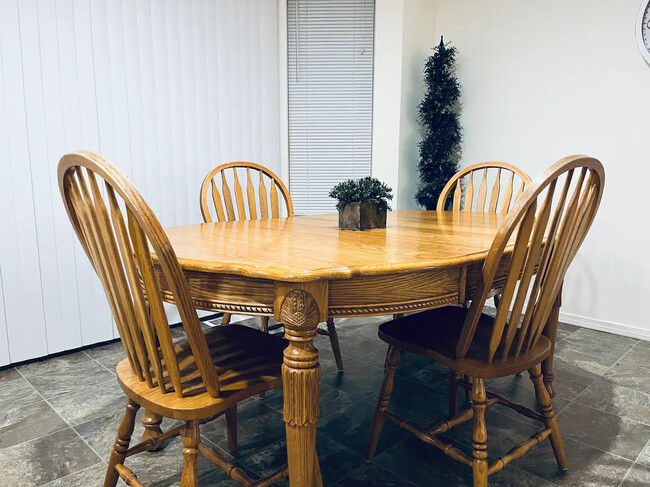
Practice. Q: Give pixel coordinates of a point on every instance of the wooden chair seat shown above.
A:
(435, 334)
(248, 362)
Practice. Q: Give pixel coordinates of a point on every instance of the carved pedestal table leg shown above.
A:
(300, 315)
(551, 333)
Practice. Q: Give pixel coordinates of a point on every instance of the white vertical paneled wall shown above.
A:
(165, 88)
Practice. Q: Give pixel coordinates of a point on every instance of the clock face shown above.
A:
(643, 30)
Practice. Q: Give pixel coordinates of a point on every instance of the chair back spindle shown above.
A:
(463, 187)
(549, 223)
(256, 205)
(118, 232)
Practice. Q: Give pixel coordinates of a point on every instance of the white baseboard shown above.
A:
(606, 326)
(599, 325)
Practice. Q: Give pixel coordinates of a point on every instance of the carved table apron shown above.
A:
(303, 270)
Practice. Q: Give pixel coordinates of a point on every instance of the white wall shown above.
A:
(541, 80)
(404, 34)
(387, 87)
(418, 40)
(166, 89)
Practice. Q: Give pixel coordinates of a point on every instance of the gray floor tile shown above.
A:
(630, 374)
(568, 384)
(602, 430)
(567, 327)
(372, 475)
(618, 400)
(336, 461)
(351, 426)
(100, 432)
(326, 356)
(111, 361)
(409, 364)
(217, 478)
(357, 345)
(91, 476)
(55, 364)
(8, 375)
(330, 401)
(588, 466)
(45, 459)
(639, 354)
(430, 407)
(564, 330)
(84, 404)
(639, 476)
(258, 426)
(607, 374)
(105, 350)
(25, 423)
(66, 373)
(18, 393)
(644, 456)
(359, 379)
(435, 376)
(591, 353)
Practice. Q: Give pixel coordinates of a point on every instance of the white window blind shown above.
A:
(330, 63)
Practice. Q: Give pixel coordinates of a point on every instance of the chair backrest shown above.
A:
(463, 199)
(118, 231)
(254, 208)
(551, 220)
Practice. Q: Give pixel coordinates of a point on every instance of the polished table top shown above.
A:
(306, 248)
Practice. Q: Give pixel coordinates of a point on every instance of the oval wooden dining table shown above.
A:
(304, 270)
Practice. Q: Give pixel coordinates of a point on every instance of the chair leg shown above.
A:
(124, 433)
(231, 427)
(334, 340)
(264, 326)
(453, 393)
(225, 319)
(479, 446)
(544, 401)
(392, 360)
(151, 422)
(468, 393)
(191, 438)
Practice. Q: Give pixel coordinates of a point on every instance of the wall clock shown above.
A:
(643, 30)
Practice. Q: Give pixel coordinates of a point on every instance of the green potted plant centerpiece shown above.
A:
(362, 203)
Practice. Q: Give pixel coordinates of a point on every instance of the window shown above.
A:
(330, 63)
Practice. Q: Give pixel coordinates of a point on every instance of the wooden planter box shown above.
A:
(361, 216)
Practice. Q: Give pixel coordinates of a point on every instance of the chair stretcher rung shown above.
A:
(518, 451)
(426, 436)
(498, 399)
(127, 476)
(237, 473)
(155, 442)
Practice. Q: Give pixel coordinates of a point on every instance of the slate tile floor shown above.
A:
(59, 417)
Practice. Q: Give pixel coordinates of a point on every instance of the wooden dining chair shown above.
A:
(549, 223)
(507, 179)
(216, 202)
(201, 376)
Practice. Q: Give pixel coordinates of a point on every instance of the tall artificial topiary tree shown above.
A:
(439, 116)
